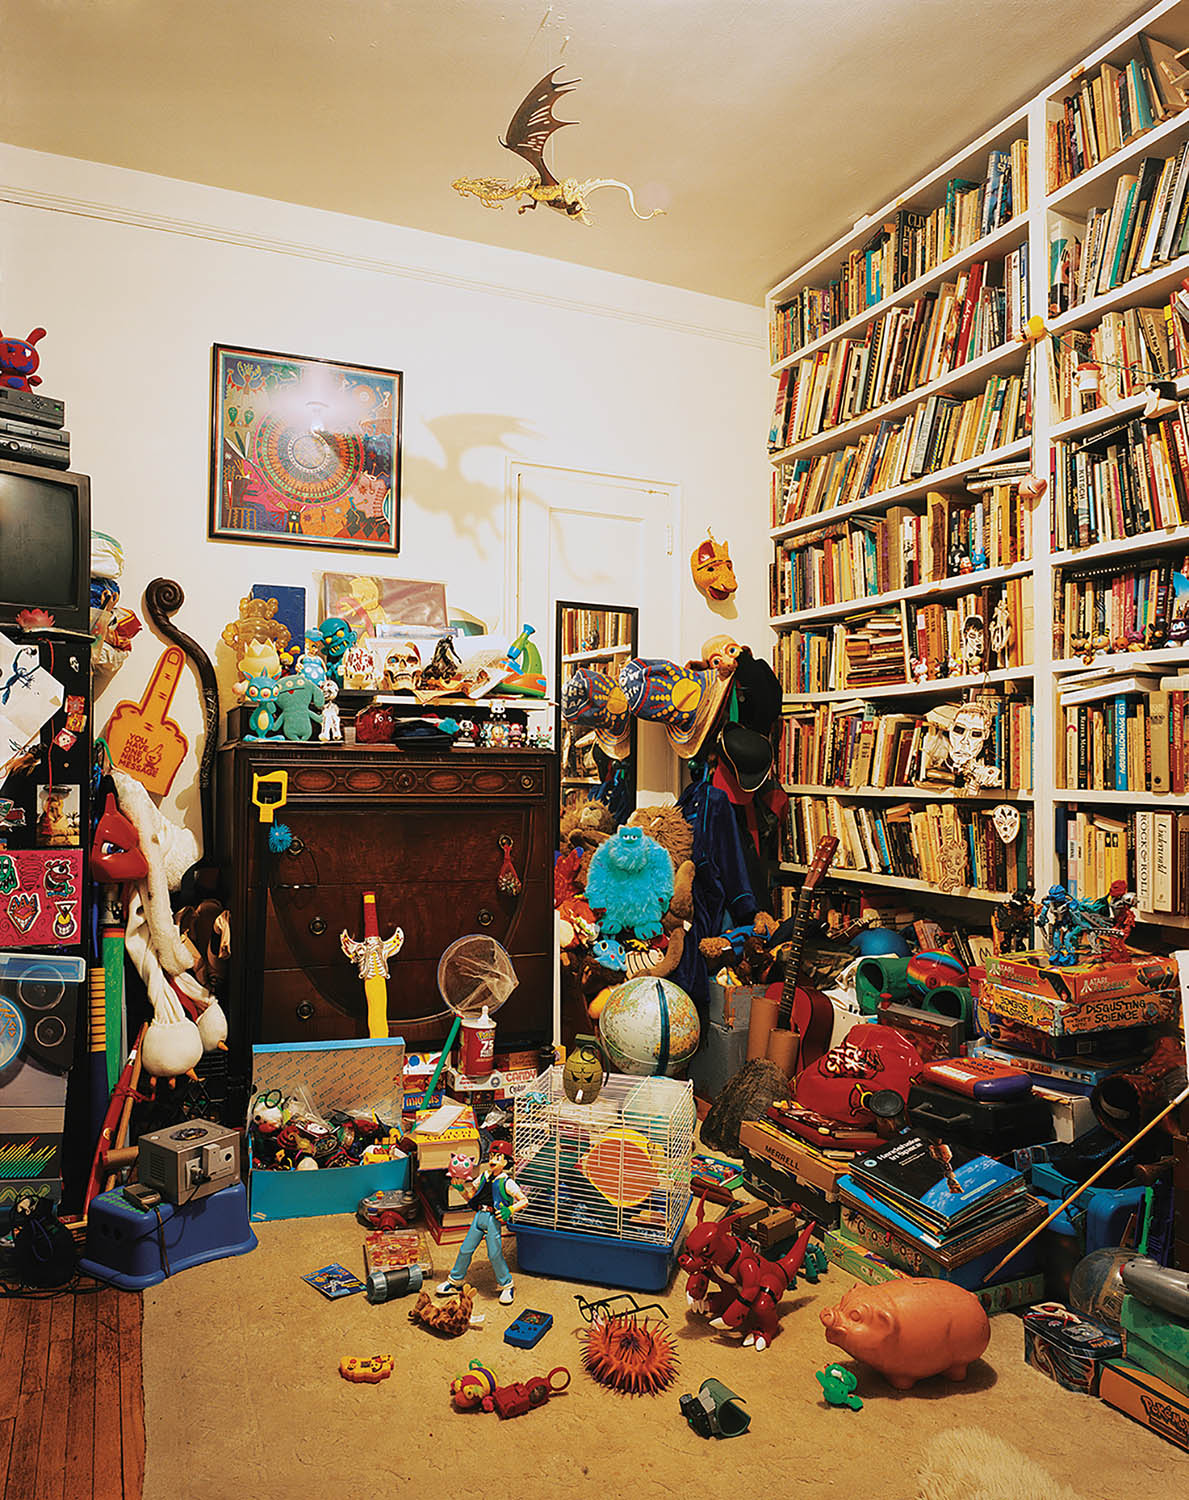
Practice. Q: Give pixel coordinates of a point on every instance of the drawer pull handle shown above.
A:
(485, 917)
(305, 1011)
(318, 926)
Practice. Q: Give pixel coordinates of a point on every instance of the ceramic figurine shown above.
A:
(910, 1328)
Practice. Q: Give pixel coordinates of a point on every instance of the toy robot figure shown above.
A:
(332, 728)
(1116, 910)
(1063, 920)
(1011, 923)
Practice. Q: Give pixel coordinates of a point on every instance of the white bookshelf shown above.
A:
(1093, 188)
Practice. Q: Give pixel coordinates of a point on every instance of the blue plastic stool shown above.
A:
(124, 1244)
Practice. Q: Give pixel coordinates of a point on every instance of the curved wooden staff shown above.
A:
(163, 598)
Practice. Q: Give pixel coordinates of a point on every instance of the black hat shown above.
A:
(748, 753)
(757, 691)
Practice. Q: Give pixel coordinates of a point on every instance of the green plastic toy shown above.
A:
(838, 1386)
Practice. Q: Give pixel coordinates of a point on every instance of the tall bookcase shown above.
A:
(827, 438)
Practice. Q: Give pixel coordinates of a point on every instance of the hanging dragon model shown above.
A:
(532, 125)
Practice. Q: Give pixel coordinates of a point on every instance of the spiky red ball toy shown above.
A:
(630, 1354)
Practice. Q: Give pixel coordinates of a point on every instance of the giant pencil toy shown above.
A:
(371, 957)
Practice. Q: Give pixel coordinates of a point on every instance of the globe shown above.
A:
(649, 1025)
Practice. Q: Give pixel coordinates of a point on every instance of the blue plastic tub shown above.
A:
(602, 1259)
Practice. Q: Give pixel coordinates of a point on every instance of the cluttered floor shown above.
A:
(243, 1396)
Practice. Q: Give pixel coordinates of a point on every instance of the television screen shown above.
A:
(40, 542)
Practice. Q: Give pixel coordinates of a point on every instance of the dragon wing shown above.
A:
(533, 124)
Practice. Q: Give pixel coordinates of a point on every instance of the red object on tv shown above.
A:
(869, 1058)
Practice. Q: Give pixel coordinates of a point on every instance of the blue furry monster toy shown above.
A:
(631, 882)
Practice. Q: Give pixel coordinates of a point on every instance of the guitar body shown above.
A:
(811, 1015)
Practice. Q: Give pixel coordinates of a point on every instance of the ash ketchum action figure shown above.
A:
(500, 1199)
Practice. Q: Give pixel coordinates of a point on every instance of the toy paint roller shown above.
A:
(882, 974)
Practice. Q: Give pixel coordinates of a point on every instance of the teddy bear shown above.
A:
(585, 824)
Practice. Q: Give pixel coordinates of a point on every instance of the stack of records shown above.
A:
(937, 1209)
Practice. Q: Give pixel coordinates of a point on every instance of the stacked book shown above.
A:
(938, 1210)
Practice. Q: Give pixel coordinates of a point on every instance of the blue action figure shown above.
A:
(500, 1200)
(1062, 921)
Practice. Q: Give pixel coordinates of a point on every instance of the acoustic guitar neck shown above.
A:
(822, 858)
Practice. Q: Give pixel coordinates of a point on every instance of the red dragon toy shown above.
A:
(749, 1287)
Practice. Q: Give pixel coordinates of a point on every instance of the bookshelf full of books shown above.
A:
(980, 507)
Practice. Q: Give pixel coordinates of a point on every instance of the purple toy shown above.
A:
(18, 361)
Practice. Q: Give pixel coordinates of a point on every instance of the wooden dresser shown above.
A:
(423, 832)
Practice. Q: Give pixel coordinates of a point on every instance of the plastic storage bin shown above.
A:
(131, 1247)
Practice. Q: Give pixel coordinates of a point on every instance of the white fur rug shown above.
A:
(967, 1463)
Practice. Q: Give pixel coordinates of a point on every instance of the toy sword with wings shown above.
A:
(528, 133)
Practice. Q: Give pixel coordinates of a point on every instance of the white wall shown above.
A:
(504, 355)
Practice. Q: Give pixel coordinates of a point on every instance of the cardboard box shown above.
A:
(1072, 1114)
(729, 1005)
(1077, 983)
(1156, 1341)
(765, 1140)
(1068, 1348)
(1094, 1013)
(1146, 1399)
(364, 1075)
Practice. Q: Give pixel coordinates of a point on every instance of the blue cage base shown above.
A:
(602, 1259)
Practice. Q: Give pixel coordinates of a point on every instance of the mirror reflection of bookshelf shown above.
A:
(599, 640)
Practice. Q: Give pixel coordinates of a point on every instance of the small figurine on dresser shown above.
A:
(332, 728)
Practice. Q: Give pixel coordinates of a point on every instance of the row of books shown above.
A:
(939, 431)
(1147, 850)
(1105, 608)
(1134, 738)
(957, 535)
(855, 744)
(1125, 480)
(905, 348)
(942, 843)
(594, 630)
(904, 248)
(989, 629)
(1097, 367)
(1111, 107)
(1146, 225)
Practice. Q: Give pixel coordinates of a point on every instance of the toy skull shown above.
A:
(361, 667)
(402, 668)
(1006, 820)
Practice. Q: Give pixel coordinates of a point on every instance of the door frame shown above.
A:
(515, 467)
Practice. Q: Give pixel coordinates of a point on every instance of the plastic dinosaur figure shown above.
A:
(530, 129)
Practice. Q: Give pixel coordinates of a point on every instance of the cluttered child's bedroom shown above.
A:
(509, 908)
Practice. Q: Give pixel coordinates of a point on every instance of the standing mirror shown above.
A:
(598, 754)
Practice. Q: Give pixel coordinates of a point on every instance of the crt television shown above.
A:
(45, 544)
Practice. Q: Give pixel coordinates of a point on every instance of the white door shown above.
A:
(604, 539)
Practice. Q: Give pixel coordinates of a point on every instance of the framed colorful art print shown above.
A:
(304, 452)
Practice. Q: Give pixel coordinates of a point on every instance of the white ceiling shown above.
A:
(763, 127)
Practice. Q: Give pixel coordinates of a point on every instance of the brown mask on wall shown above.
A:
(714, 576)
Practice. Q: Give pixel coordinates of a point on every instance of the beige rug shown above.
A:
(243, 1399)
(966, 1463)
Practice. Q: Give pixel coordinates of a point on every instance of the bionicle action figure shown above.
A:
(1063, 921)
(1011, 923)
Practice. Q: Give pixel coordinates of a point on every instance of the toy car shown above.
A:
(392, 1208)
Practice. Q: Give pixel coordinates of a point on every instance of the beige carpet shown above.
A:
(243, 1400)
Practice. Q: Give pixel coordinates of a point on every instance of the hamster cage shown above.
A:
(608, 1183)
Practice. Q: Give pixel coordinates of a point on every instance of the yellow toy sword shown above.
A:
(371, 957)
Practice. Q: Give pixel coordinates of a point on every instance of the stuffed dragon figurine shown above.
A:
(532, 125)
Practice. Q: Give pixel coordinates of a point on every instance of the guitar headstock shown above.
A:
(823, 857)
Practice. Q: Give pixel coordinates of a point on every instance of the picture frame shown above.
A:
(304, 451)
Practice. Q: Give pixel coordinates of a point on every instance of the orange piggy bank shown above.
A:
(910, 1328)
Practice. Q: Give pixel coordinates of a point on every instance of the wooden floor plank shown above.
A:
(22, 1463)
(80, 1419)
(37, 1345)
(12, 1354)
(51, 1453)
(108, 1471)
(6, 1443)
(131, 1309)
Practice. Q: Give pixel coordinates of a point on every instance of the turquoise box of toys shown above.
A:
(301, 1090)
